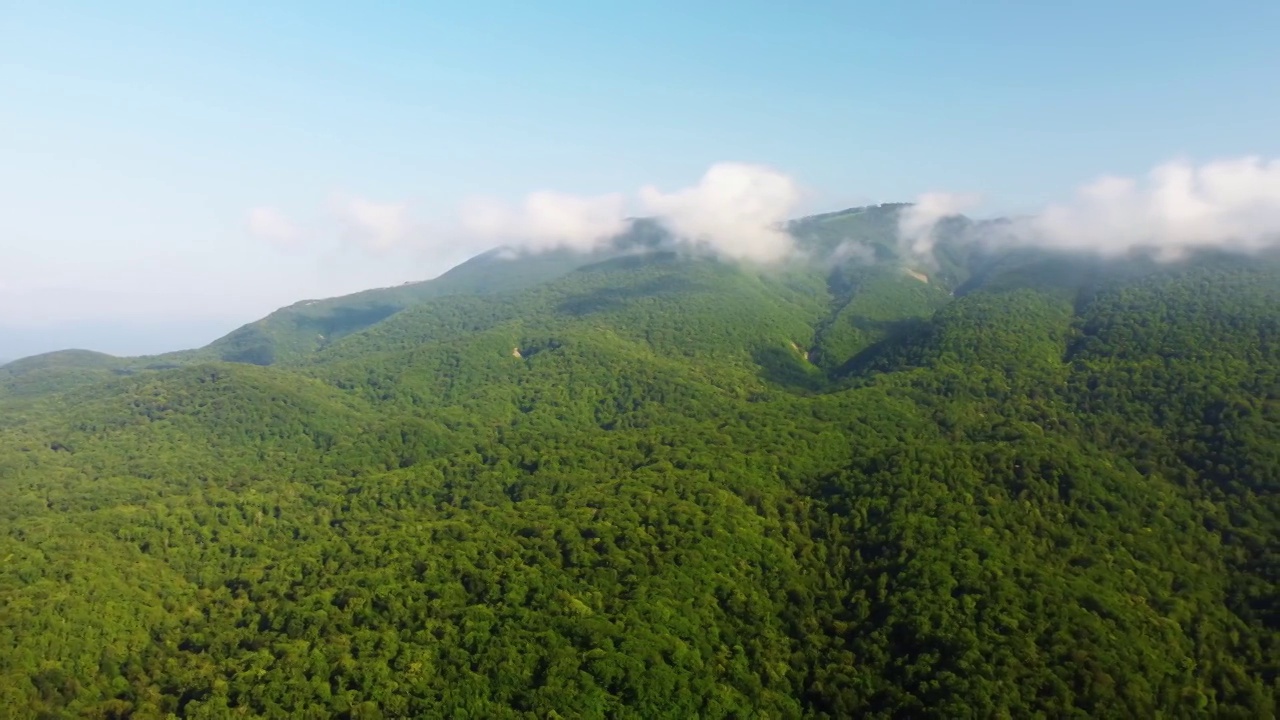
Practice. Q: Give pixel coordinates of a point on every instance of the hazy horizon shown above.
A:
(173, 171)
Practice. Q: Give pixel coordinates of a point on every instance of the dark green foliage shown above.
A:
(665, 487)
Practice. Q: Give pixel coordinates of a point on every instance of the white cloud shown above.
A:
(273, 226)
(739, 211)
(736, 210)
(374, 226)
(547, 220)
(853, 252)
(917, 225)
(1177, 207)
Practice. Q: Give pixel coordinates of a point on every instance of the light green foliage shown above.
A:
(659, 486)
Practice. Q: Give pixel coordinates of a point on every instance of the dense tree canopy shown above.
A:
(660, 486)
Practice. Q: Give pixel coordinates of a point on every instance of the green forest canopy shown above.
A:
(650, 485)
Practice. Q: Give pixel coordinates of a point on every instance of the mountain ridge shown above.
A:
(482, 274)
(662, 484)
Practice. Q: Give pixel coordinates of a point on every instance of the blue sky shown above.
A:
(136, 138)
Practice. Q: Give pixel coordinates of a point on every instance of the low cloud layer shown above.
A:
(1231, 204)
(918, 224)
(739, 211)
(736, 211)
(1175, 208)
(547, 220)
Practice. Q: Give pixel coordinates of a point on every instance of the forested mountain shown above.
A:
(652, 484)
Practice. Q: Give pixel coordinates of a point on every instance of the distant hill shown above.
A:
(61, 358)
(306, 326)
(309, 325)
(57, 370)
(649, 483)
(120, 337)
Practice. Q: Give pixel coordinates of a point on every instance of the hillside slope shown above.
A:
(665, 486)
(309, 325)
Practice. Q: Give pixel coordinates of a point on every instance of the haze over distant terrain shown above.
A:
(113, 337)
(165, 164)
